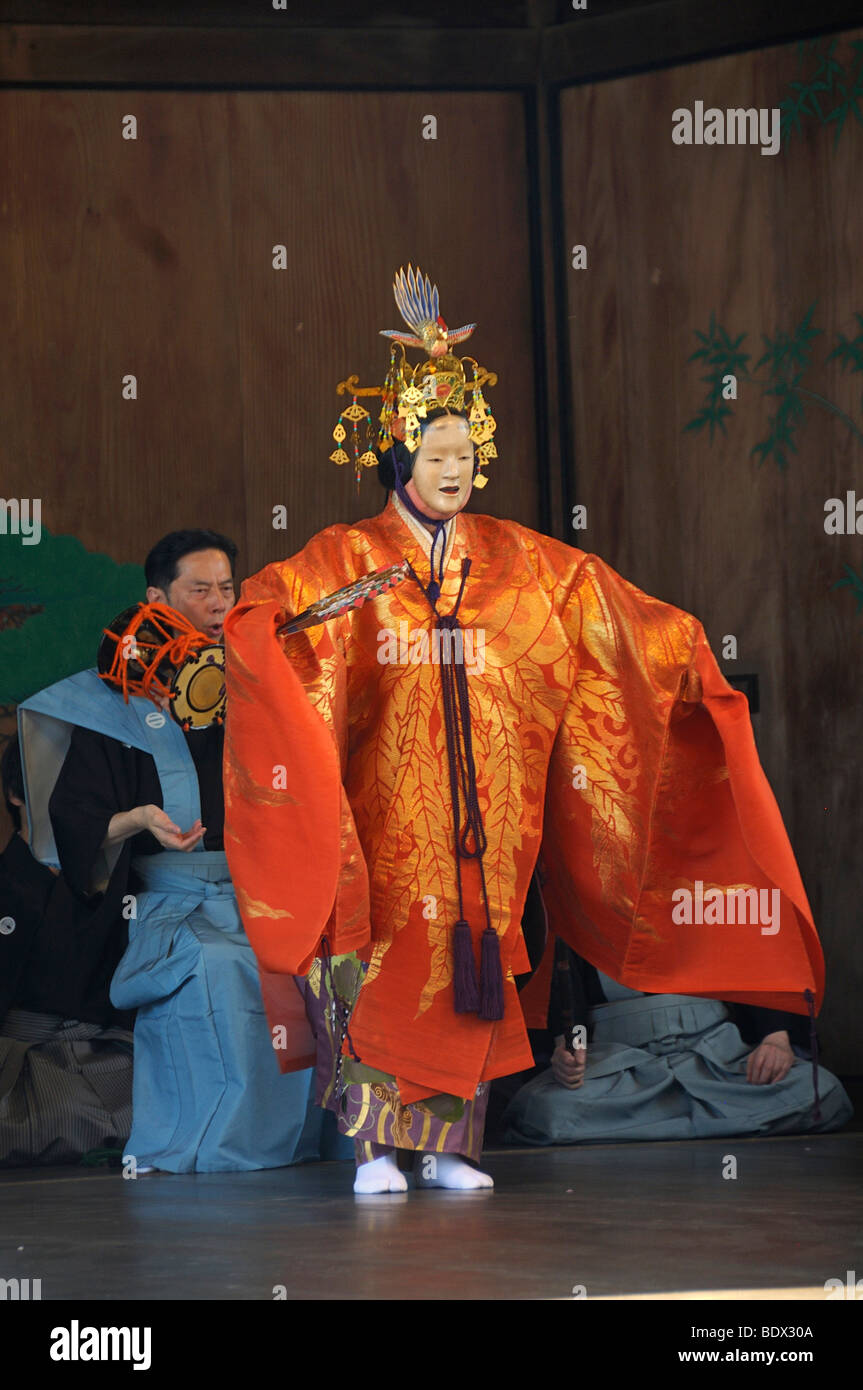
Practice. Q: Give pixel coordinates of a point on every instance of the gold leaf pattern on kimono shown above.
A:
(256, 907)
(599, 694)
(239, 782)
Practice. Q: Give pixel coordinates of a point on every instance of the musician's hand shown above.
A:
(771, 1060)
(169, 835)
(568, 1067)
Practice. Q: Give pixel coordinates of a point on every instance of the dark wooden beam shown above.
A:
(607, 43)
(363, 46)
(297, 14)
(114, 55)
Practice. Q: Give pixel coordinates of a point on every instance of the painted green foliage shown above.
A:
(722, 357)
(55, 598)
(785, 360)
(829, 94)
(826, 95)
(854, 582)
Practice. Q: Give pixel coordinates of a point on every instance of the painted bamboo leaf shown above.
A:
(854, 582)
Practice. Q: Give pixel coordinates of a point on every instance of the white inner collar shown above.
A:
(423, 536)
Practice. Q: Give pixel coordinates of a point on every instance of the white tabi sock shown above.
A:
(380, 1175)
(451, 1172)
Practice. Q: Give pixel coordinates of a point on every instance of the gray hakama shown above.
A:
(669, 1066)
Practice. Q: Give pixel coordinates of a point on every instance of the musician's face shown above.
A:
(203, 591)
(443, 468)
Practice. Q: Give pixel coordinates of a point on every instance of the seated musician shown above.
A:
(137, 813)
(668, 1067)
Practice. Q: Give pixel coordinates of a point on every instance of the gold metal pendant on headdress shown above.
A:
(354, 413)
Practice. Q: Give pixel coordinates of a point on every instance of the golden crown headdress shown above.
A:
(408, 392)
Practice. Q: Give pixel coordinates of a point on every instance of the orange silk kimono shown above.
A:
(604, 736)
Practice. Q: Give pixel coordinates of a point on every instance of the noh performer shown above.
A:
(397, 757)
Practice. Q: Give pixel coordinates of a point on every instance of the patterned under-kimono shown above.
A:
(366, 1101)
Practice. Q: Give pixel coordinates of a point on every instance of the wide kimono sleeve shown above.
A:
(667, 863)
(295, 859)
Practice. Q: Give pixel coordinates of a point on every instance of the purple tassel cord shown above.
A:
(464, 970)
(491, 1001)
(485, 999)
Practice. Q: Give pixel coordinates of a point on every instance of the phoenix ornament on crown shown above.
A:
(408, 392)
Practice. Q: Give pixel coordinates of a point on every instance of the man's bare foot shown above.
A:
(381, 1175)
(450, 1171)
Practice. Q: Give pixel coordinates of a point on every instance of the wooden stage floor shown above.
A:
(615, 1220)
